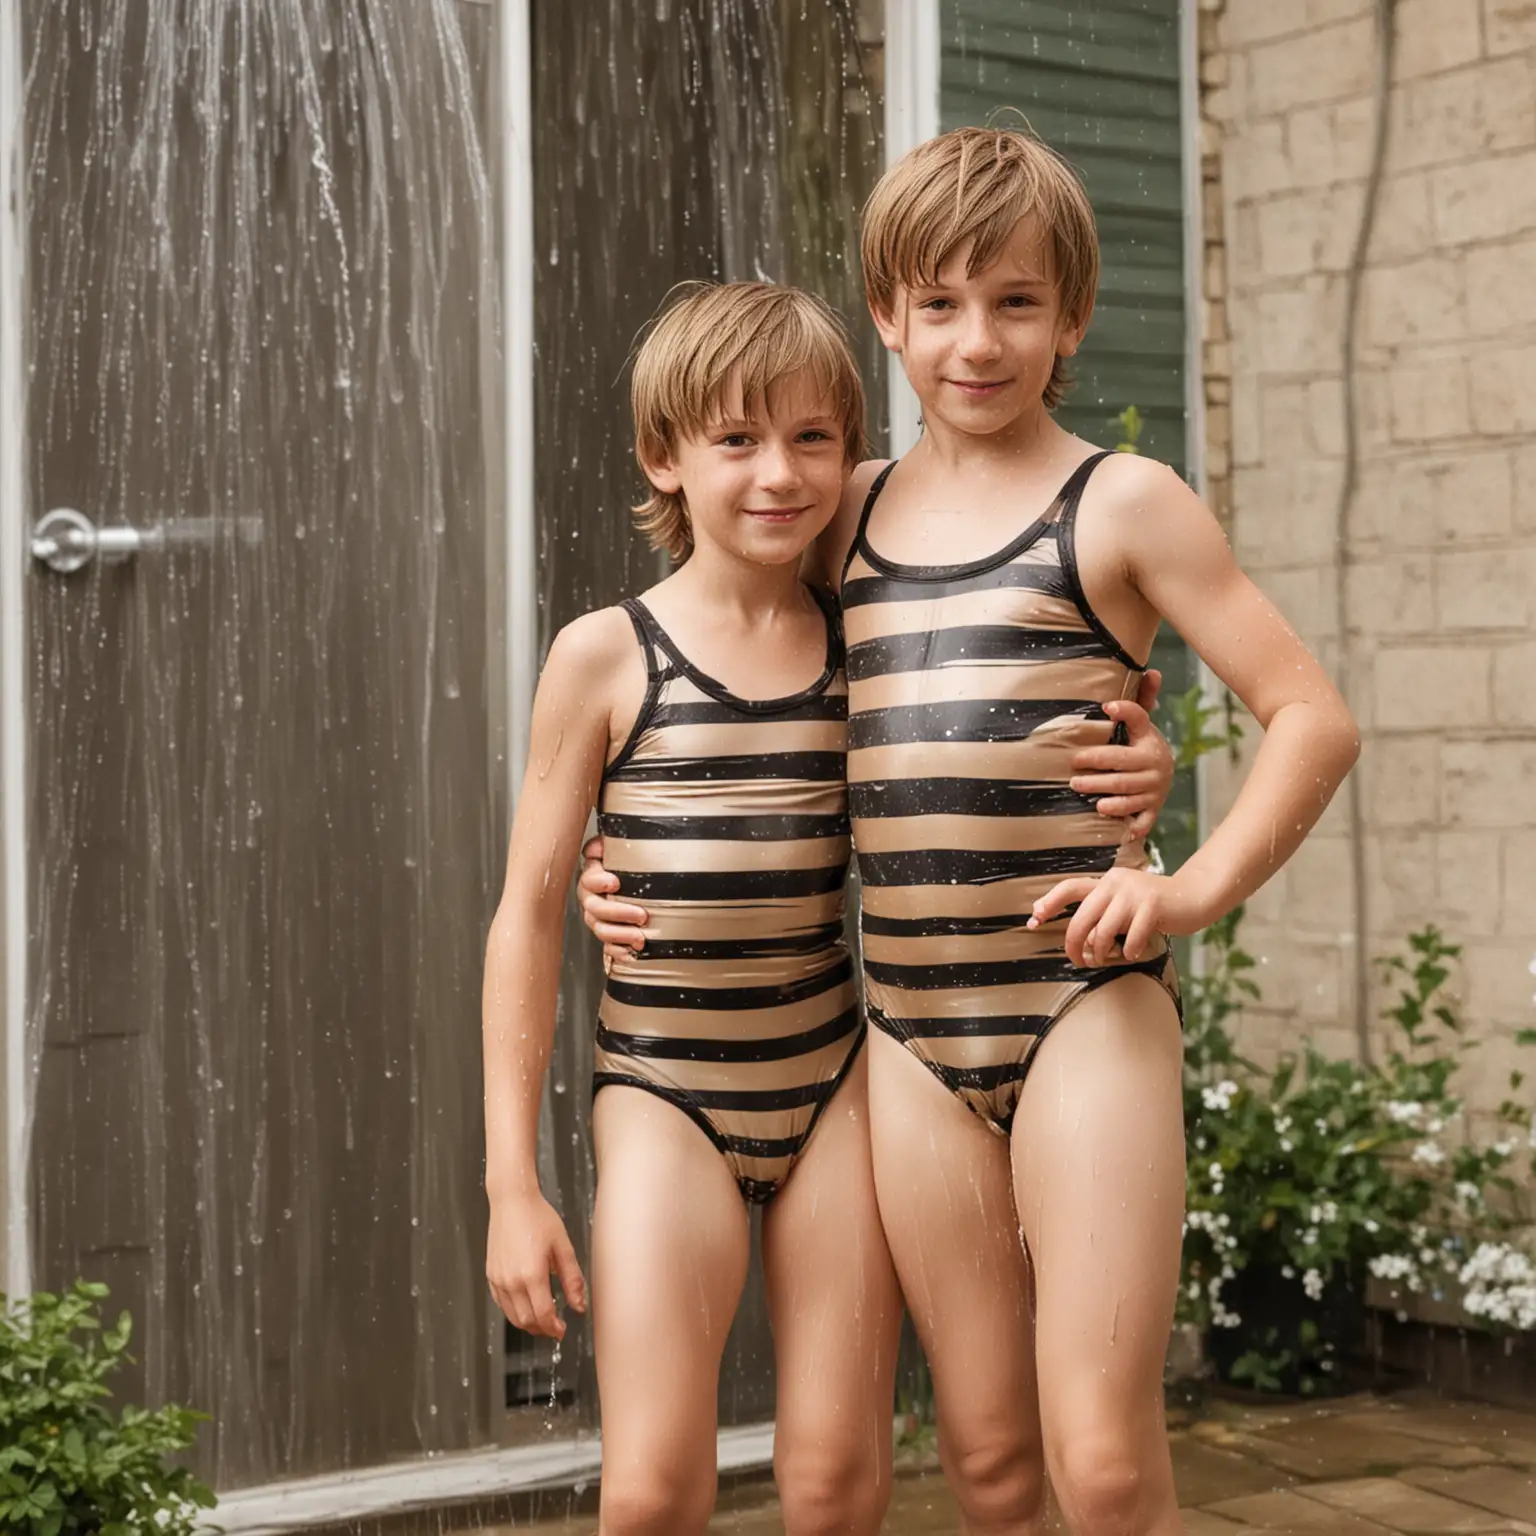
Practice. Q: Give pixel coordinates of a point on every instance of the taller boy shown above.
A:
(1000, 583)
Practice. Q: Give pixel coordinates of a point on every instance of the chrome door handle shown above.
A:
(66, 540)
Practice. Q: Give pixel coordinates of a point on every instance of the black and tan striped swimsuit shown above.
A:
(970, 689)
(728, 819)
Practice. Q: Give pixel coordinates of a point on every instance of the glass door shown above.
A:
(265, 734)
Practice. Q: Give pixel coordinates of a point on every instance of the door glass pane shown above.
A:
(266, 820)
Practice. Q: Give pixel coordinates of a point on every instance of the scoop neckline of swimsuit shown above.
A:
(977, 567)
(718, 691)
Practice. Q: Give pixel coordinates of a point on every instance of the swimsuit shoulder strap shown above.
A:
(1064, 507)
(645, 633)
(1064, 515)
(655, 676)
(832, 612)
(876, 486)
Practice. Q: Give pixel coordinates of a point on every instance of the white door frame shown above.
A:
(912, 55)
(15, 1108)
(517, 322)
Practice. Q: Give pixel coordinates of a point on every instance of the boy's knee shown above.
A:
(826, 1488)
(1105, 1488)
(653, 1501)
(999, 1482)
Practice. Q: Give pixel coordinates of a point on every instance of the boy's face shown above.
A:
(764, 478)
(979, 350)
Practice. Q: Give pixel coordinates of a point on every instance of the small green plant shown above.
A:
(66, 1464)
(1130, 423)
(1305, 1178)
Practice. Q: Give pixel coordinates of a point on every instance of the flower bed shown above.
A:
(1311, 1180)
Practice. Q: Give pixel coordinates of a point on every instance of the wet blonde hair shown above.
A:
(712, 339)
(976, 184)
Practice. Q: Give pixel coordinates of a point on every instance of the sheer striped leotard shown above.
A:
(970, 689)
(728, 819)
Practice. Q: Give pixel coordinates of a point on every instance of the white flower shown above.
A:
(1371, 1226)
(1287, 1272)
(1285, 1146)
(1500, 1284)
(1503, 1148)
(1219, 1097)
(1282, 1124)
(1429, 1153)
(1434, 1127)
(1404, 1112)
(1468, 1192)
(1194, 1290)
(1312, 1284)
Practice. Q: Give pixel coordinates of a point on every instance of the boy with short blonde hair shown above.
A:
(706, 720)
(1001, 586)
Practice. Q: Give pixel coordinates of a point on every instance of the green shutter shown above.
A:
(1100, 83)
(1098, 80)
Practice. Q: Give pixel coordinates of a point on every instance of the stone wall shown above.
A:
(1440, 558)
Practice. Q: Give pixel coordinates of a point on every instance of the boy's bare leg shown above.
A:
(946, 1196)
(1098, 1154)
(836, 1314)
(667, 1275)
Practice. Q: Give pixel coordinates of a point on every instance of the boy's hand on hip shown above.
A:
(1135, 779)
(1134, 903)
(527, 1243)
(617, 923)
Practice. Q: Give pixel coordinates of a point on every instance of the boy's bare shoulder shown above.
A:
(597, 642)
(1140, 495)
(1139, 514)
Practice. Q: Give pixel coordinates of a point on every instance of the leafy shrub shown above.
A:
(66, 1465)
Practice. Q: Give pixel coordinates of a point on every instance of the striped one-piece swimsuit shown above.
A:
(971, 687)
(728, 819)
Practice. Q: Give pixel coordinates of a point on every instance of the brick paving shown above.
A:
(1411, 1464)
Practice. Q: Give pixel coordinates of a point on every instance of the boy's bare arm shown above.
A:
(1173, 552)
(568, 744)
